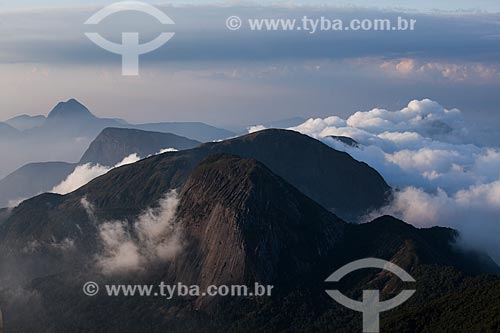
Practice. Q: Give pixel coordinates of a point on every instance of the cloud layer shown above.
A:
(427, 153)
(86, 172)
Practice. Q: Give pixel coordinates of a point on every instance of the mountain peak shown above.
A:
(70, 109)
(246, 223)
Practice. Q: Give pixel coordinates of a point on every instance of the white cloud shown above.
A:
(257, 128)
(426, 152)
(153, 237)
(87, 172)
(474, 211)
(448, 71)
(166, 150)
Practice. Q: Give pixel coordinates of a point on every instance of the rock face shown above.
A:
(113, 144)
(244, 224)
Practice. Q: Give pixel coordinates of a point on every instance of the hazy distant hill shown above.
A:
(25, 122)
(70, 119)
(8, 132)
(193, 130)
(33, 179)
(69, 129)
(108, 149)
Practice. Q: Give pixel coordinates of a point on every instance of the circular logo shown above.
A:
(90, 288)
(233, 23)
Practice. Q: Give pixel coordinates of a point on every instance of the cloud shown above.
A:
(154, 237)
(427, 153)
(423, 145)
(451, 71)
(87, 172)
(253, 129)
(474, 211)
(166, 150)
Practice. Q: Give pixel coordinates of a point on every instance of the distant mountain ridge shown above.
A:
(72, 118)
(24, 122)
(108, 149)
(7, 131)
(32, 179)
(68, 130)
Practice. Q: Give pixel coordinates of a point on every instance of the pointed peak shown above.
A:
(70, 109)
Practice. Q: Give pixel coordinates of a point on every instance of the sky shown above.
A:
(239, 78)
(421, 5)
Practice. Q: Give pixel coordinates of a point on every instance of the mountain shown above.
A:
(33, 179)
(68, 130)
(71, 119)
(240, 223)
(70, 110)
(110, 147)
(25, 122)
(193, 130)
(7, 131)
(113, 144)
(238, 206)
(332, 178)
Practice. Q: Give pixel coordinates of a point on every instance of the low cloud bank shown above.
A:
(86, 172)
(133, 247)
(427, 153)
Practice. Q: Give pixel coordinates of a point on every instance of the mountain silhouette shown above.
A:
(25, 122)
(71, 109)
(8, 132)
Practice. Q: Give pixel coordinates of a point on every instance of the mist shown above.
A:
(131, 247)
